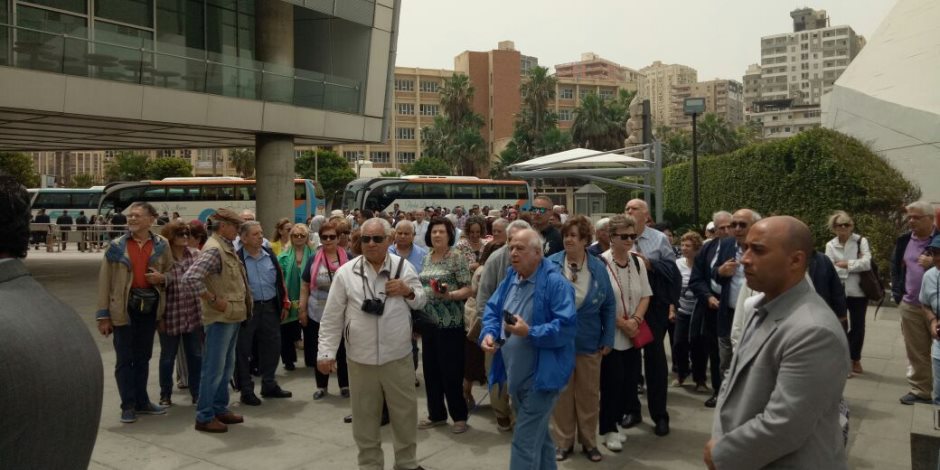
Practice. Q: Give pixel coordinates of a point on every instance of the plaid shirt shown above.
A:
(208, 262)
(183, 308)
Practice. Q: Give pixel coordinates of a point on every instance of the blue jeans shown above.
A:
(133, 347)
(192, 349)
(218, 364)
(935, 361)
(532, 445)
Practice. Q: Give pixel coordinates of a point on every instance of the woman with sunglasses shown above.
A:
(319, 271)
(621, 368)
(851, 254)
(578, 404)
(182, 319)
(292, 259)
(446, 280)
(281, 236)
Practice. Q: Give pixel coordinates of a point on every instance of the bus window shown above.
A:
(490, 191)
(193, 193)
(245, 192)
(85, 200)
(154, 194)
(437, 191)
(412, 191)
(210, 193)
(226, 193)
(300, 192)
(465, 191)
(53, 201)
(516, 192)
(128, 196)
(176, 193)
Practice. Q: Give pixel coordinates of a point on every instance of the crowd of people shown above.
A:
(563, 319)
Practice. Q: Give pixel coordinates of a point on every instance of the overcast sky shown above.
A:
(719, 38)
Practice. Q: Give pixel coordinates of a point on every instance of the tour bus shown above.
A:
(57, 200)
(418, 192)
(198, 198)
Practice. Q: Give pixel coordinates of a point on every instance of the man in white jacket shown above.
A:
(370, 305)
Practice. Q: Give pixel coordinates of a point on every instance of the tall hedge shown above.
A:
(807, 176)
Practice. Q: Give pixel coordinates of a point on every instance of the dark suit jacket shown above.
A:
(827, 284)
(51, 374)
(727, 249)
(703, 318)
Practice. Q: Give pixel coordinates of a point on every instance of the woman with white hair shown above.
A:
(851, 255)
(315, 223)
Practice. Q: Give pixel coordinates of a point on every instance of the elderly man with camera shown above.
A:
(370, 304)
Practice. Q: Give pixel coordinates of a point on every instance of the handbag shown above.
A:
(643, 335)
(422, 322)
(869, 281)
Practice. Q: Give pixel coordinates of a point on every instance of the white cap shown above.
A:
(710, 227)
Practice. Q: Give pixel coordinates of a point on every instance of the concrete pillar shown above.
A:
(274, 153)
(274, 171)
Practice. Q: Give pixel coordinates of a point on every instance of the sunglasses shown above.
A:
(844, 225)
(182, 233)
(538, 210)
(327, 237)
(298, 235)
(738, 225)
(625, 236)
(372, 238)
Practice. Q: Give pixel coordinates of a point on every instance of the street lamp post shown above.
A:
(694, 106)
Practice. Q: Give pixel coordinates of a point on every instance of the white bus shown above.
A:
(198, 198)
(57, 200)
(418, 192)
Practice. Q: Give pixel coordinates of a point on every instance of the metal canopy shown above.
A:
(604, 167)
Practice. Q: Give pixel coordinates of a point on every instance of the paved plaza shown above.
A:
(298, 433)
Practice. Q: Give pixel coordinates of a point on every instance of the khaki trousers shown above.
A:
(499, 395)
(917, 340)
(396, 382)
(579, 404)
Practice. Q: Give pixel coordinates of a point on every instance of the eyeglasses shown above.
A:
(183, 233)
(625, 236)
(298, 235)
(327, 237)
(738, 225)
(538, 210)
(372, 238)
(846, 225)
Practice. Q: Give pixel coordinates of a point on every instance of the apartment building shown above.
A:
(799, 67)
(752, 86)
(62, 166)
(660, 81)
(724, 98)
(571, 90)
(594, 66)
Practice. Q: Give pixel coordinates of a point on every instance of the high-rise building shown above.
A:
(799, 67)
(660, 80)
(592, 65)
(570, 91)
(724, 98)
(752, 86)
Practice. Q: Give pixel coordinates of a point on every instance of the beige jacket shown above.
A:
(115, 276)
(231, 284)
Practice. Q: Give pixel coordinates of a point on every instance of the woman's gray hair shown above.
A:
(386, 227)
(245, 226)
(501, 221)
(924, 207)
(518, 224)
(620, 221)
(316, 222)
(839, 217)
(602, 224)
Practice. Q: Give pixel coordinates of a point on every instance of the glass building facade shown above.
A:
(204, 46)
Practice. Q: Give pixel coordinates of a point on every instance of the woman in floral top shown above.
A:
(473, 240)
(182, 319)
(446, 278)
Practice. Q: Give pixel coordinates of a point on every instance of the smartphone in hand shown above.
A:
(509, 318)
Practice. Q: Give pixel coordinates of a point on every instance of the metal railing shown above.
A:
(192, 69)
(90, 237)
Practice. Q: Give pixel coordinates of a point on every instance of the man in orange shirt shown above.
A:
(130, 303)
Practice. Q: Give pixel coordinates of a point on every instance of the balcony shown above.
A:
(235, 77)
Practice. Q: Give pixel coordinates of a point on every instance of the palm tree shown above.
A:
(538, 90)
(594, 127)
(715, 136)
(457, 97)
(244, 161)
(455, 134)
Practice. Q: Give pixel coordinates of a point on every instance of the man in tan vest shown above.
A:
(218, 276)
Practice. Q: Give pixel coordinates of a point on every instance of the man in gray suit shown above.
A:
(49, 364)
(779, 407)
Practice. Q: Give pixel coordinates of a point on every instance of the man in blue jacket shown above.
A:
(536, 345)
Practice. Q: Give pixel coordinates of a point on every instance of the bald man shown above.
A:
(779, 407)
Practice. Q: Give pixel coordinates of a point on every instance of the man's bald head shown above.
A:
(776, 254)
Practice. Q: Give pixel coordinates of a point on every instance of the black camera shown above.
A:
(509, 318)
(373, 307)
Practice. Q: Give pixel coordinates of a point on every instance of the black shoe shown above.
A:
(277, 392)
(640, 390)
(256, 372)
(711, 402)
(347, 419)
(662, 427)
(631, 420)
(250, 399)
(289, 366)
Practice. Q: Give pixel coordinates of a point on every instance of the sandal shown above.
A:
(428, 424)
(593, 454)
(562, 454)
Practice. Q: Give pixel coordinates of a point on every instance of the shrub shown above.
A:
(807, 176)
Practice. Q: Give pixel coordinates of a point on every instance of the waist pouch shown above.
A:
(144, 300)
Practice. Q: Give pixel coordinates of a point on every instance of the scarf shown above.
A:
(320, 259)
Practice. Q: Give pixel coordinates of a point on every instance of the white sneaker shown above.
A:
(612, 442)
(622, 437)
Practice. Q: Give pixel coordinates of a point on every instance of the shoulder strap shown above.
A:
(401, 261)
(636, 261)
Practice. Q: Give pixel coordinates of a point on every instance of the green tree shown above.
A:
(243, 160)
(390, 173)
(127, 166)
(538, 91)
(169, 167)
(427, 166)
(676, 144)
(20, 166)
(596, 126)
(331, 170)
(454, 136)
(508, 157)
(716, 136)
(82, 180)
